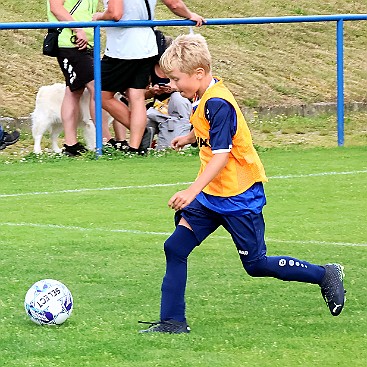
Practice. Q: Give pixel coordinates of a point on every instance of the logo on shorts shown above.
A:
(244, 253)
(70, 70)
(202, 142)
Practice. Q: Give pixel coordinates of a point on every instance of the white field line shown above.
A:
(94, 189)
(166, 234)
(166, 185)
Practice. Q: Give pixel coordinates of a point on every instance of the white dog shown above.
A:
(47, 116)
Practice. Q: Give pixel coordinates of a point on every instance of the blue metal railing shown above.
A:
(338, 18)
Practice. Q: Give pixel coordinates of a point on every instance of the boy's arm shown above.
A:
(183, 198)
(114, 11)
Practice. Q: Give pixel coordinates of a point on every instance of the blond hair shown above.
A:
(186, 53)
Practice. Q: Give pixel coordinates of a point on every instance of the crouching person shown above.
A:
(169, 118)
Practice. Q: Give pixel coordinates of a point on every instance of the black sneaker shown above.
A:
(131, 151)
(169, 327)
(111, 143)
(147, 139)
(122, 145)
(9, 139)
(332, 288)
(74, 150)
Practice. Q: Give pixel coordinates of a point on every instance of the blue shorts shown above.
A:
(247, 230)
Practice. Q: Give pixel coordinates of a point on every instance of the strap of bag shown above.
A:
(148, 9)
(72, 11)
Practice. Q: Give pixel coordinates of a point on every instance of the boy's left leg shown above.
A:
(248, 235)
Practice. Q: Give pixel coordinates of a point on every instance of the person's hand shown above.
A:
(181, 199)
(198, 19)
(97, 16)
(161, 89)
(80, 39)
(179, 142)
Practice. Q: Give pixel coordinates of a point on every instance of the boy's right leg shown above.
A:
(193, 224)
(172, 316)
(177, 248)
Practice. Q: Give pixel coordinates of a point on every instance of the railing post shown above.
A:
(97, 89)
(340, 81)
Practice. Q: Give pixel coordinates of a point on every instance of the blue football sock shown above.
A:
(286, 268)
(177, 248)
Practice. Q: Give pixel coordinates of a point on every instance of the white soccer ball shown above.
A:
(48, 302)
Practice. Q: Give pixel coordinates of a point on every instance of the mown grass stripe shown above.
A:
(166, 185)
(138, 232)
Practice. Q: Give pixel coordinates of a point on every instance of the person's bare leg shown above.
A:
(138, 115)
(70, 113)
(118, 110)
(92, 108)
(106, 135)
(120, 130)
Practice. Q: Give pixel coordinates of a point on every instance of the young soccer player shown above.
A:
(228, 191)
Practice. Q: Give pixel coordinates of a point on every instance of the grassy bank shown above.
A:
(263, 65)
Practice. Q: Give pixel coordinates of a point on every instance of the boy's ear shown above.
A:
(200, 73)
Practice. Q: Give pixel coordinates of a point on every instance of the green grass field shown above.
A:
(99, 227)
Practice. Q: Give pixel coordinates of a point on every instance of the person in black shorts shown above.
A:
(129, 76)
(130, 54)
(76, 62)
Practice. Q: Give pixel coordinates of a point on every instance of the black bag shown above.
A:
(51, 40)
(161, 42)
(50, 43)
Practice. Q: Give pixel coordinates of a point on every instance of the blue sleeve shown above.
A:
(223, 124)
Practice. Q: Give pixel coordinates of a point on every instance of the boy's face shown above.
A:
(187, 85)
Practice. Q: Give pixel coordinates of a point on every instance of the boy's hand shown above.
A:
(181, 199)
(180, 141)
